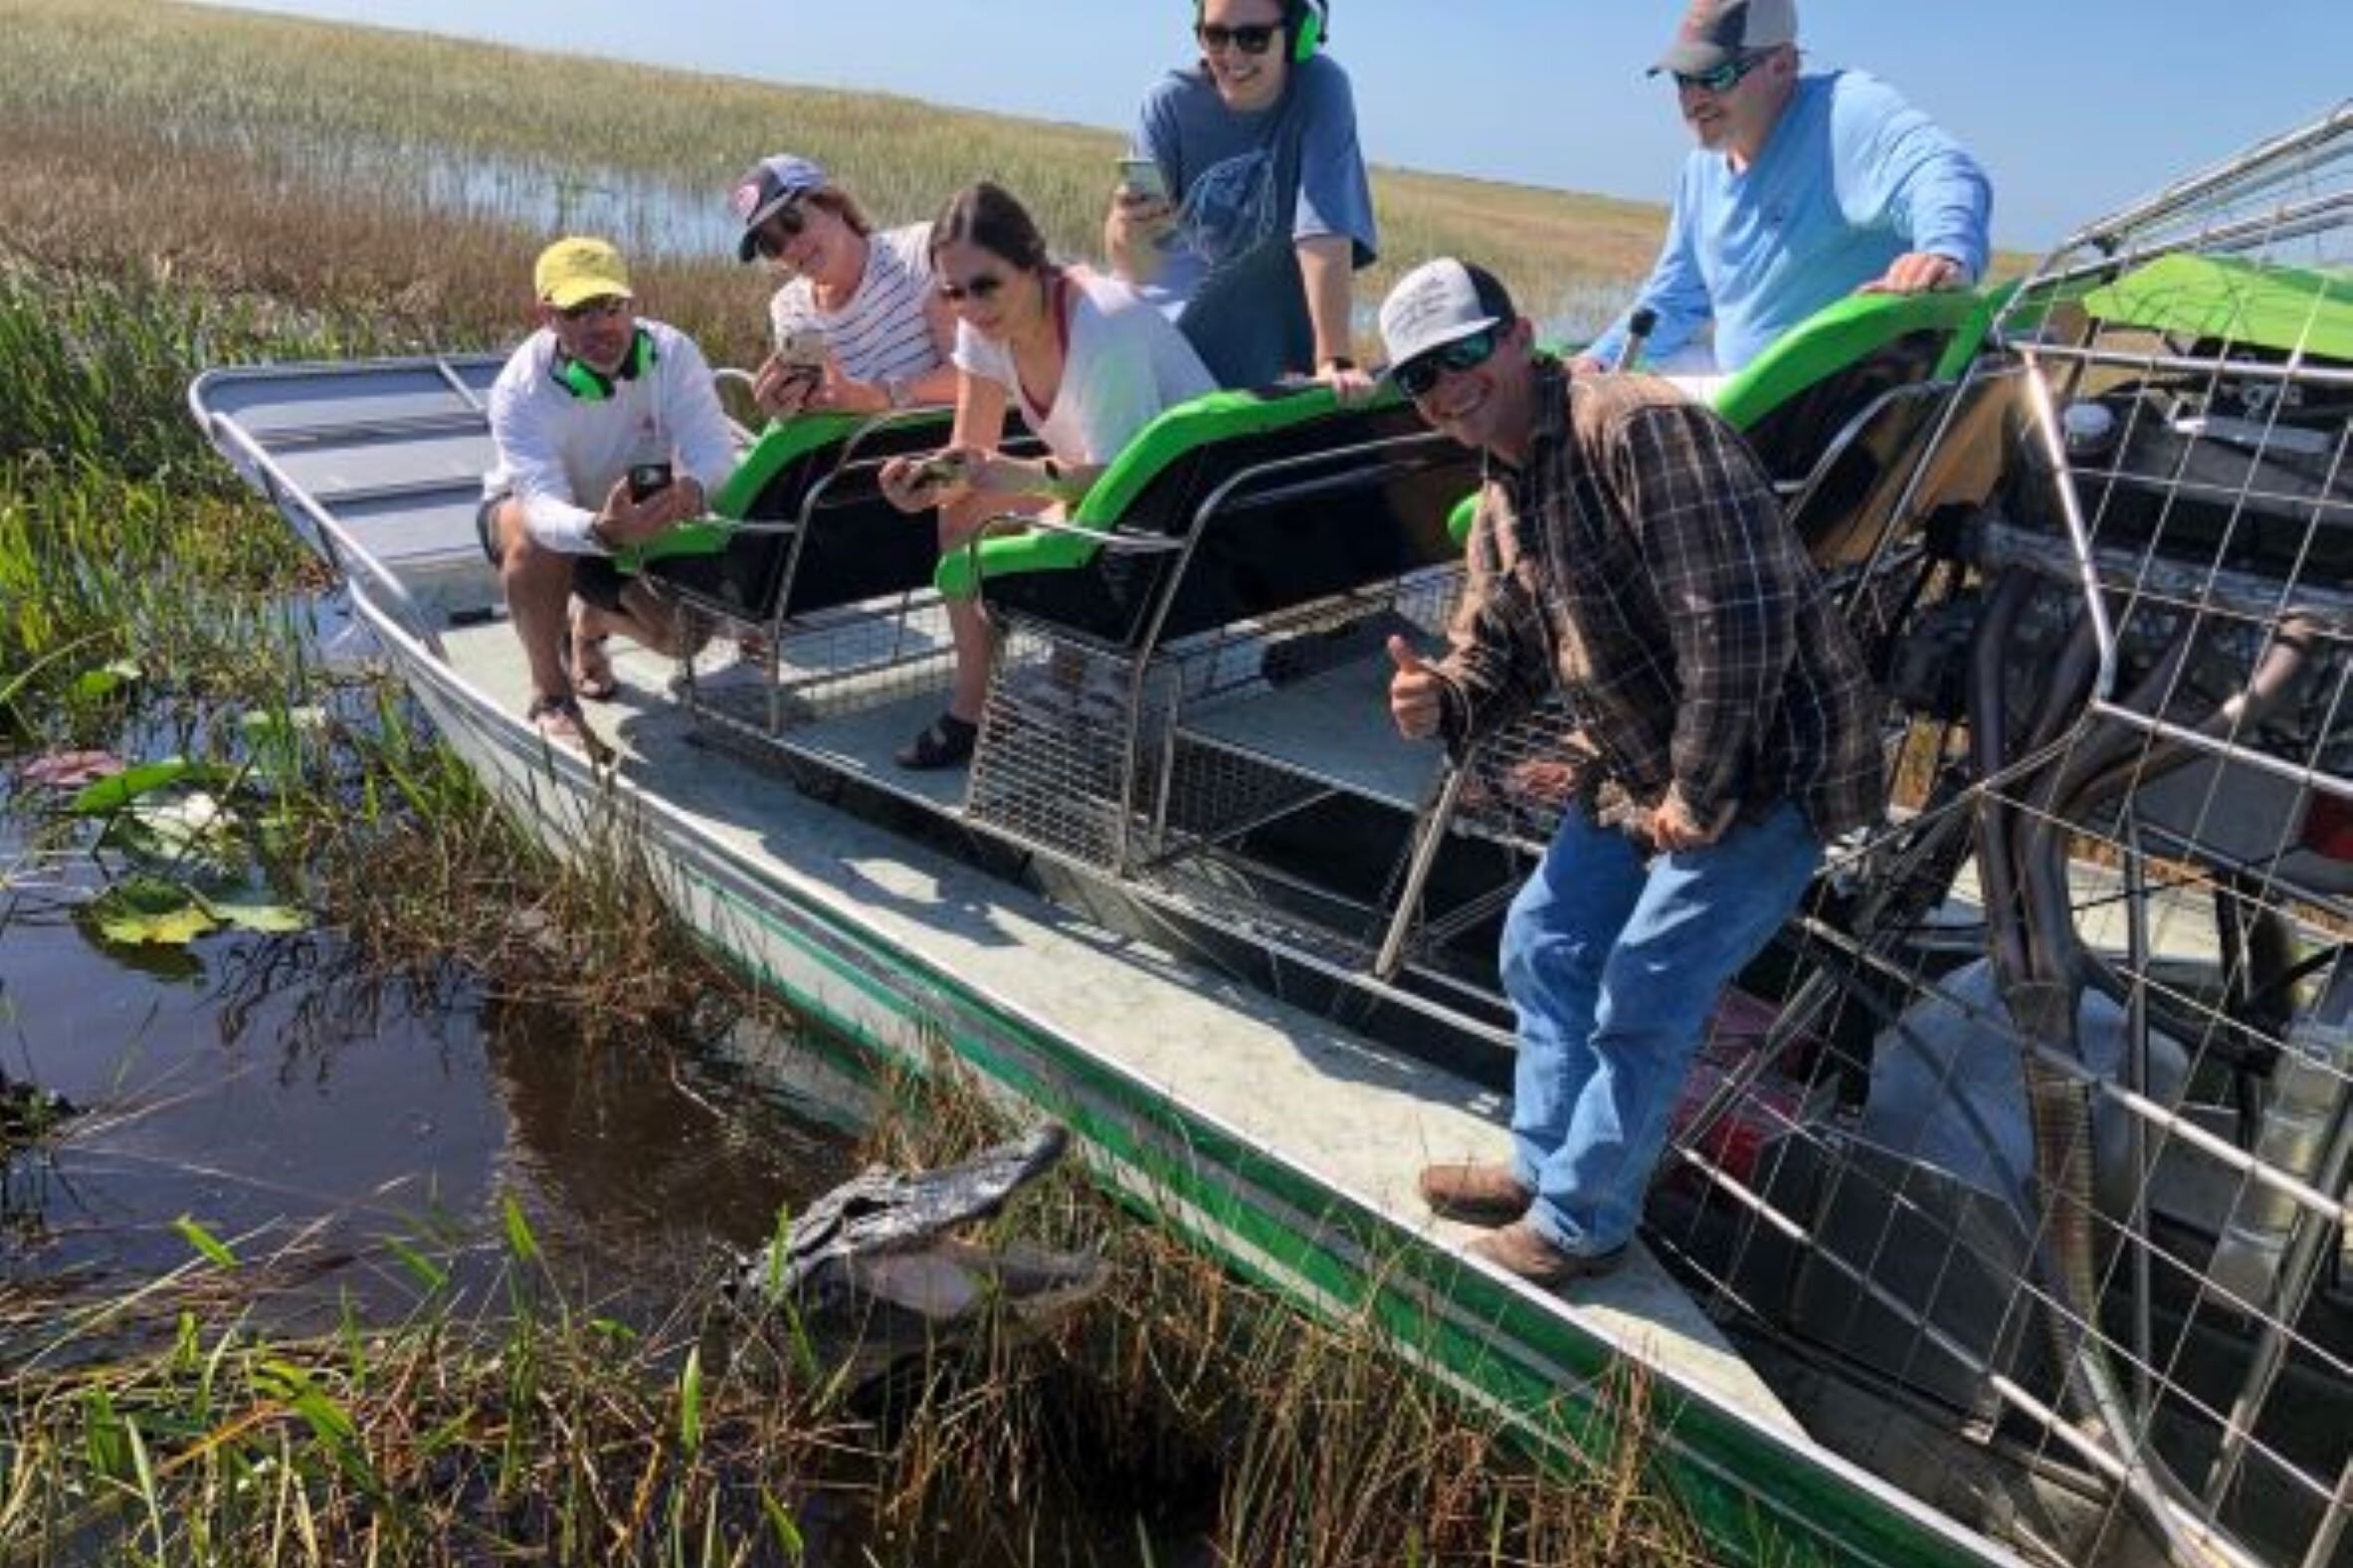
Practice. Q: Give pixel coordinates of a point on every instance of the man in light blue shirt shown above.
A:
(1804, 188)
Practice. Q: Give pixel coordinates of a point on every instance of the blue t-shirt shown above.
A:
(1249, 187)
(1850, 178)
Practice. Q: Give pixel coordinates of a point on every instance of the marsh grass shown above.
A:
(1181, 1417)
(302, 161)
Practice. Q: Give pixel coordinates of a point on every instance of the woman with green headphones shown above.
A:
(1261, 213)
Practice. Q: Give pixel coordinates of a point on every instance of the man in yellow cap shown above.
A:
(609, 432)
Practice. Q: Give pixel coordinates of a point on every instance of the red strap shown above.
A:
(1060, 306)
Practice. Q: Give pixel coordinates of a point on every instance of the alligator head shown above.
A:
(874, 1273)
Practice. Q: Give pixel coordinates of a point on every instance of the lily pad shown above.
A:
(111, 795)
(95, 685)
(190, 829)
(70, 769)
(148, 911)
(270, 920)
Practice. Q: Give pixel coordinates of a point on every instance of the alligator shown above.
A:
(873, 1275)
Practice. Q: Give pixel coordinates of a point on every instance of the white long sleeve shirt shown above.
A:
(561, 454)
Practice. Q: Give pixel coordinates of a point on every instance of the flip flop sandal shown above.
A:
(559, 722)
(945, 742)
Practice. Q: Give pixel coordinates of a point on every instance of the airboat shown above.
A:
(2006, 1217)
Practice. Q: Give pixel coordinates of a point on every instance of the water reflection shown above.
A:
(303, 1109)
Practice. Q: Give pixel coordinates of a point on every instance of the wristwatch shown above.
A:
(598, 533)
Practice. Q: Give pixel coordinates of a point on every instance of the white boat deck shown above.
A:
(1353, 1116)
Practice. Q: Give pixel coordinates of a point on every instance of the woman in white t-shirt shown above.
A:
(1088, 364)
(863, 298)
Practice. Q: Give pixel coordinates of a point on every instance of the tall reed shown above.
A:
(416, 175)
(522, 1418)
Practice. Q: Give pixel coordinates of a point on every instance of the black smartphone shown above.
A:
(647, 480)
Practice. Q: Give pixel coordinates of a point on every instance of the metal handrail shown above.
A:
(344, 554)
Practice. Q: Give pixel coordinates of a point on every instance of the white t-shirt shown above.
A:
(1126, 364)
(881, 332)
(562, 454)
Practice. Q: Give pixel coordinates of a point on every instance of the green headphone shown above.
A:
(591, 385)
(1307, 23)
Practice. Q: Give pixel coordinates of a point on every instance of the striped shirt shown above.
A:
(1639, 566)
(881, 332)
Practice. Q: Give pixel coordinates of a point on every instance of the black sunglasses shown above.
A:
(1419, 374)
(778, 230)
(980, 287)
(1253, 39)
(1725, 78)
(595, 309)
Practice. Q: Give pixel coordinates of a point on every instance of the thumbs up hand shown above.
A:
(1416, 695)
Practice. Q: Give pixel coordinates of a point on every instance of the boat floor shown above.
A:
(1355, 1117)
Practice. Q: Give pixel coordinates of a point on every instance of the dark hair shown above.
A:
(986, 215)
(844, 206)
(1493, 298)
(1294, 16)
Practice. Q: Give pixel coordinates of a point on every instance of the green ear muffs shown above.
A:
(1308, 21)
(591, 385)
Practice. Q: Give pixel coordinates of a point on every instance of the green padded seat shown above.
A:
(1309, 497)
(818, 471)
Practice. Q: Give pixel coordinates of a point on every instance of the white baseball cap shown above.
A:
(1435, 304)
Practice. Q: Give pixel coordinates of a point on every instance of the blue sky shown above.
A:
(2076, 106)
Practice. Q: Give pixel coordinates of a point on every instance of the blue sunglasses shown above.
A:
(1725, 78)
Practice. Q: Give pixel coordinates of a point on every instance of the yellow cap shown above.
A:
(575, 269)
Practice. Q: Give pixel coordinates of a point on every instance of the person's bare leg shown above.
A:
(538, 586)
(968, 627)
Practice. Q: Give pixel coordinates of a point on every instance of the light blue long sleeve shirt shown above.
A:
(1850, 178)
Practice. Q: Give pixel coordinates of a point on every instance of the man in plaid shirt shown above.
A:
(1630, 554)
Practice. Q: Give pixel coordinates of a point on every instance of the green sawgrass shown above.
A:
(524, 1417)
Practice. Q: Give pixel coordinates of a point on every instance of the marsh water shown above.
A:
(301, 1110)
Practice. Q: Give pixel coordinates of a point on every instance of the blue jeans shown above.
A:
(1613, 964)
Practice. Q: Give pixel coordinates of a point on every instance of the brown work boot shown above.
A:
(1476, 1192)
(1528, 1253)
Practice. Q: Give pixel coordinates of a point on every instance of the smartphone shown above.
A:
(803, 348)
(936, 472)
(1141, 178)
(647, 479)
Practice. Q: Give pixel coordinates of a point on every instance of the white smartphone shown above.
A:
(1141, 178)
(803, 348)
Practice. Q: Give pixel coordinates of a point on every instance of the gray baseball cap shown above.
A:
(1717, 31)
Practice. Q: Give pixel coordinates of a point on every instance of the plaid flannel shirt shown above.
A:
(1639, 566)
